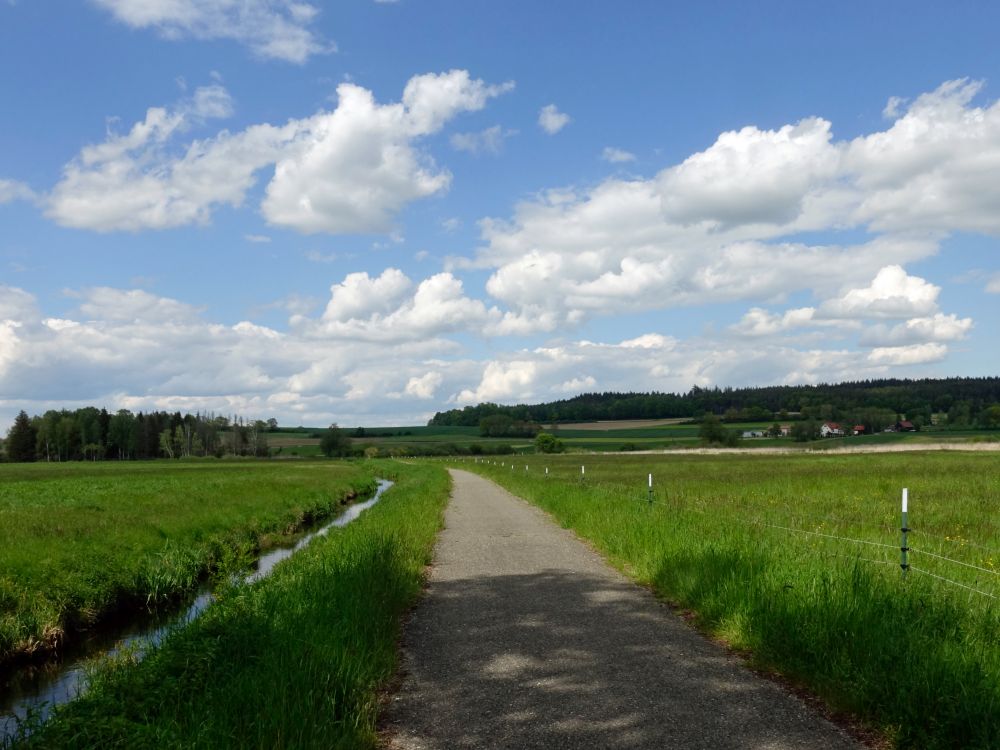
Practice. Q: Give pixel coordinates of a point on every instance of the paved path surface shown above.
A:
(527, 639)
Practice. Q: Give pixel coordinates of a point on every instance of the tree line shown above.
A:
(967, 402)
(93, 434)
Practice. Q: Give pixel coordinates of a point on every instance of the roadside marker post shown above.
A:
(650, 489)
(903, 549)
(583, 474)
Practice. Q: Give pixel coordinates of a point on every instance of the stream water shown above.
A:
(40, 689)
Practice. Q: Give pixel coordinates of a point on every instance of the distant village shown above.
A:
(831, 430)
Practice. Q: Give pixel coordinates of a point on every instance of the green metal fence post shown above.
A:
(903, 549)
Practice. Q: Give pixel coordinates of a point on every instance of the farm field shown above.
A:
(617, 424)
(79, 541)
(794, 561)
(297, 659)
(611, 437)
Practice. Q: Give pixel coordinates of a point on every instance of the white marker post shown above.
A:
(903, 549)
(650, 489)
(583, 474)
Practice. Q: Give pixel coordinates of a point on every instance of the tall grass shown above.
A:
(80, 541)
(918, 660)
(293, 661)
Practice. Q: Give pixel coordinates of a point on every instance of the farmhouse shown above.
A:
(831, 429)
(905, 426)
(859, 429)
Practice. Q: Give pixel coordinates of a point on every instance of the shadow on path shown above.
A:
(571, 657)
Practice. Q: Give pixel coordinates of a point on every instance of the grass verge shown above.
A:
(295, 660)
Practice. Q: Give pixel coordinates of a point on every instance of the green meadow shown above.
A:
(297, 660)
(81, 541)
(791, 560)
(794, 561)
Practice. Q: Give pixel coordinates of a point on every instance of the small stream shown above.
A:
(38, 690)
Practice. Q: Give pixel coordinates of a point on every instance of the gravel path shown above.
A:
(527, 639)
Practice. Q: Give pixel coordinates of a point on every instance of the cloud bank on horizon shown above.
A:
(775, 254)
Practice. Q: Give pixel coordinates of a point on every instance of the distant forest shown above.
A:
(967, 402)
(95, 434)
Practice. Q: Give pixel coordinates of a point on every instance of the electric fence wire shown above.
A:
(955, 583)
(829, 536)
(838, 520)
(860, 559)
(960, 542)
(832, 518)
(624, 491)
(628, 493)
(952, 560)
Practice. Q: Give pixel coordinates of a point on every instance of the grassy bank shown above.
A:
(79, 541)
(919, 661)
(295, 660)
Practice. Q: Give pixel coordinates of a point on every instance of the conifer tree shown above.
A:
(21, 439)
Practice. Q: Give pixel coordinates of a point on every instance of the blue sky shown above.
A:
(370, 211)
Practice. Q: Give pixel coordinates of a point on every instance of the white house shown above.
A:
(831, 429)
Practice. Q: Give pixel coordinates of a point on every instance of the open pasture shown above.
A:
(795, 561)
(78, 541)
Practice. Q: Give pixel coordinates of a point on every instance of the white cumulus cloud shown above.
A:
(751, 176)
(502, 380)
(760, 322)
(914, 354)
(617, 155)
(391, 308)
(727, 223)
(551, 120)
(12, 190)
(425, 385)
(893, 293)
(360, 297)
(488, 141)
(274, 29)
(342, 171)
(934, 169)
(939, 327)
(353, 169)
